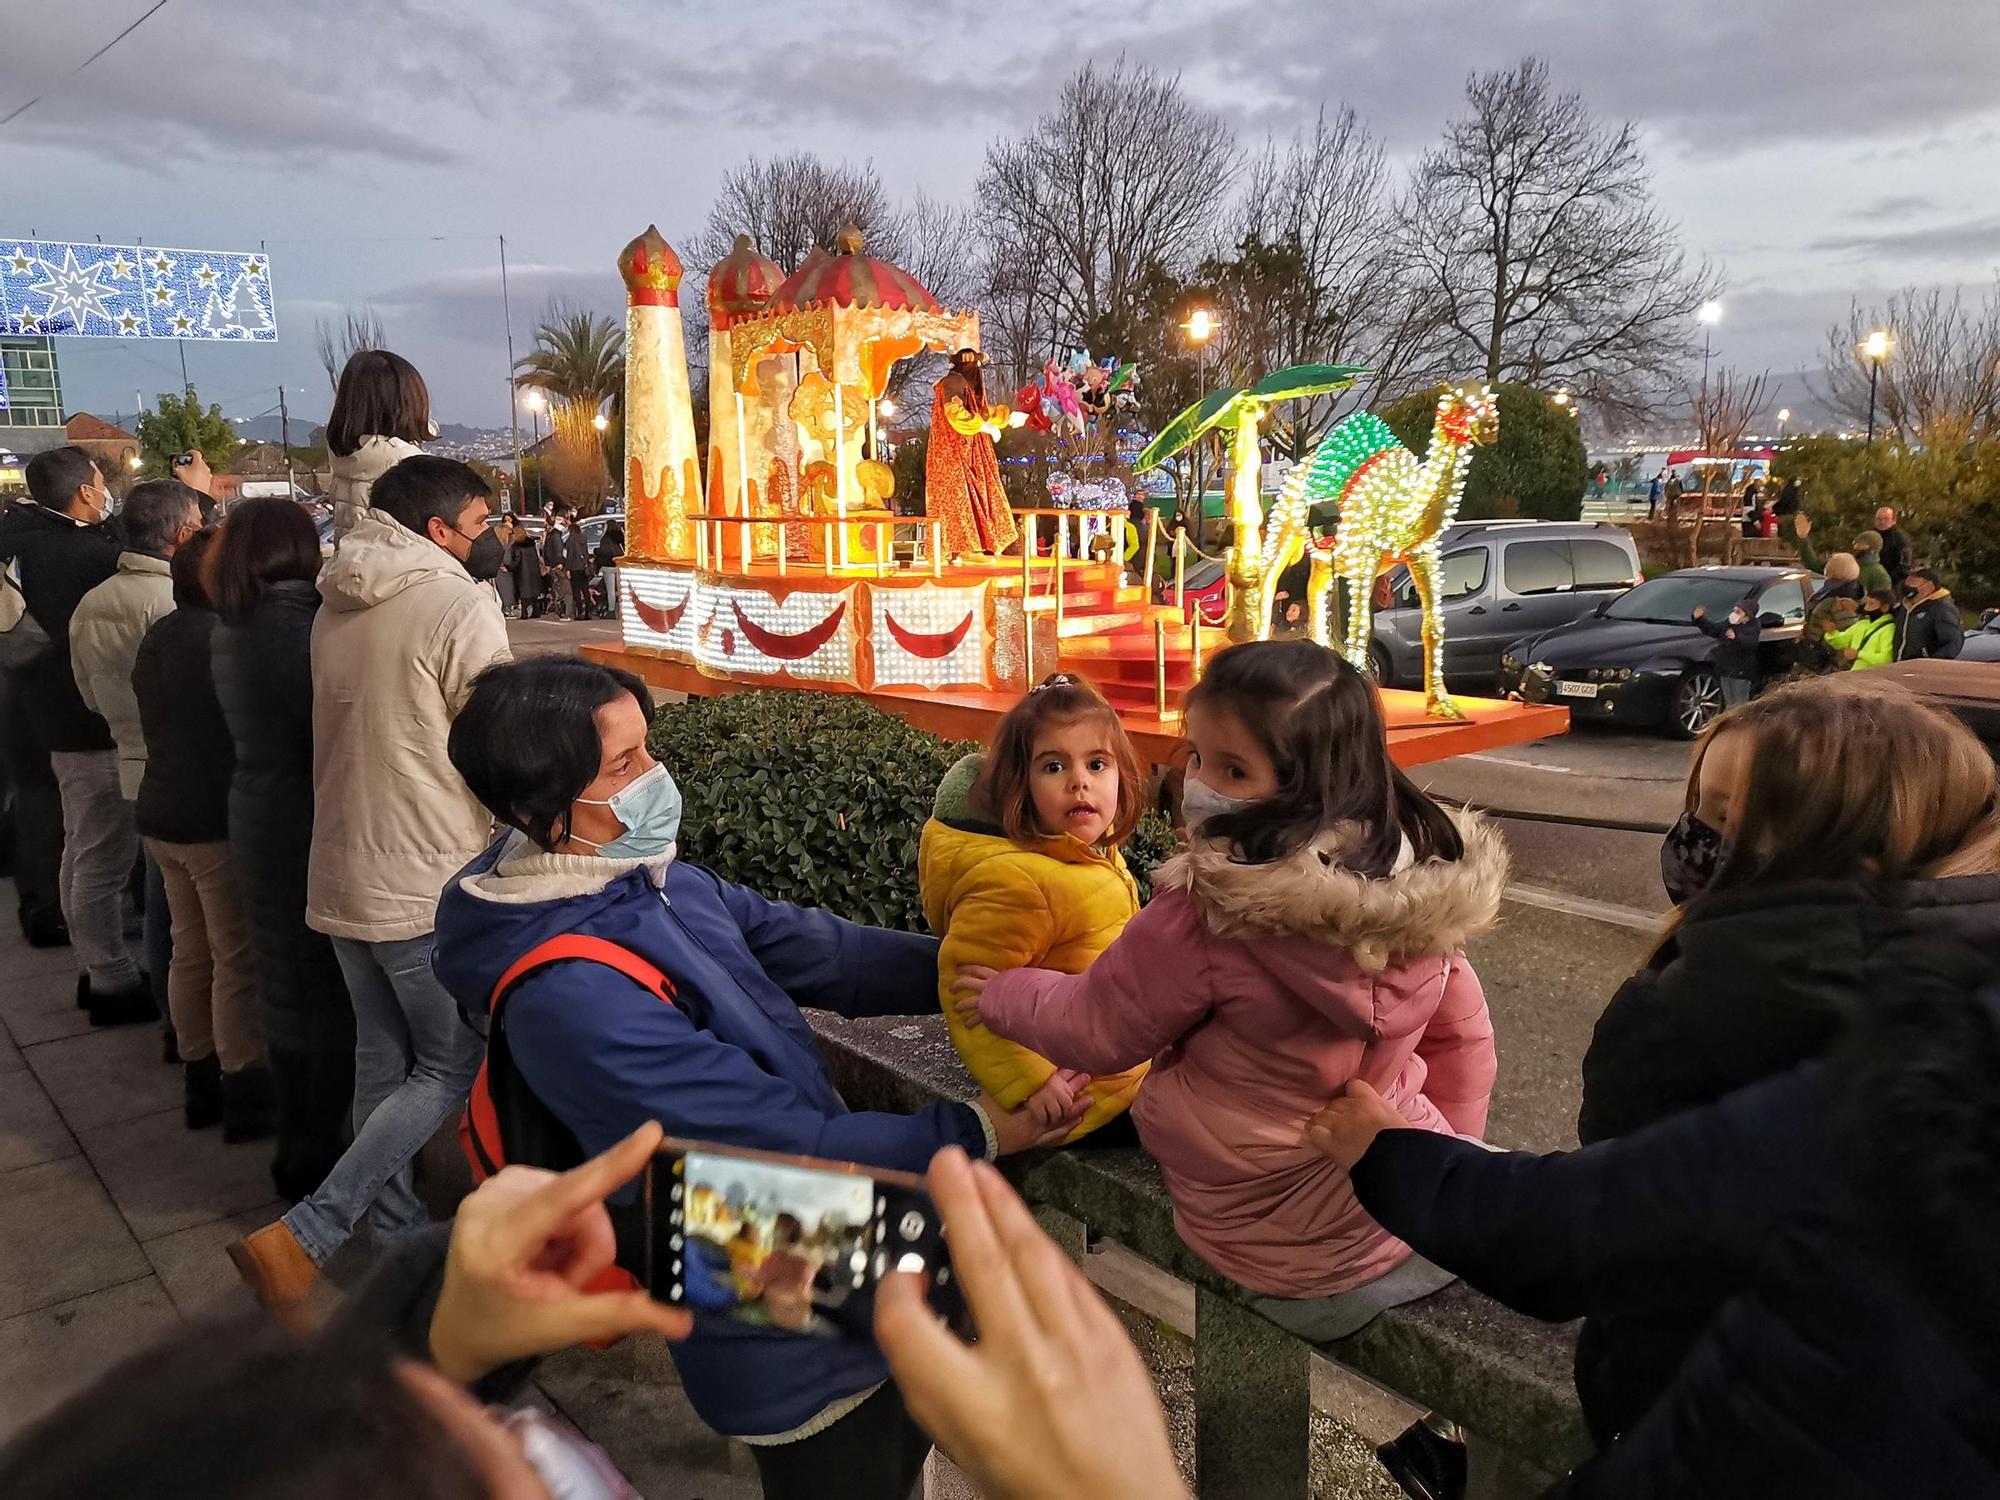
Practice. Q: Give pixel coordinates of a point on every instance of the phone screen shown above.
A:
(785, 1242)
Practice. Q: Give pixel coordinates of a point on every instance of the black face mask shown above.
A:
(1689, 858)
(484, 559)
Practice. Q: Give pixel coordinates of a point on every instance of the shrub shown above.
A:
(1537, 469)
(819, 799)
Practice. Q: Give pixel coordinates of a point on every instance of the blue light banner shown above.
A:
(134, 292)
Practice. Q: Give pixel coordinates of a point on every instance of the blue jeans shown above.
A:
(414, 1062)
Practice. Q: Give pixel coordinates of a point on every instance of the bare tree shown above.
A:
(1541, 254)
(1315, 279)
(790, 205)
(1940, 384)
(1723, 405)
(1125, 173)
(336, 344)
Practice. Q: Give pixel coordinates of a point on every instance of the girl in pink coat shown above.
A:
(1311, 933)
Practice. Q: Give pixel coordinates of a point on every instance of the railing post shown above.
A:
(934, 534)
(1060, 538)
(1160, 667)
(1152, 548)
(701, 546)
(1252, 1405)
(883, 538)
(1180, 570)
(784, 547)
(1027, 560)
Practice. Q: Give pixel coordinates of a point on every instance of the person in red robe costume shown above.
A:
(961, 470)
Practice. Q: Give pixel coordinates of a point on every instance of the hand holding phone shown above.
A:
(1053, 1399)
(785, 1242)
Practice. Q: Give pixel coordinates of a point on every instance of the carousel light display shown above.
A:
(929, 637)
(663, 477)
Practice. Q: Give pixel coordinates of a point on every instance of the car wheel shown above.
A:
(1380, 664)
(1697, 700)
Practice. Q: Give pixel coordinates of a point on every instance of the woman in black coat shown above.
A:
(1826, 1233)
(526, 563)
(1838, 831)
(261, 577)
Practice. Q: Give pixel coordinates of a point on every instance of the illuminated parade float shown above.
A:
(786, 567)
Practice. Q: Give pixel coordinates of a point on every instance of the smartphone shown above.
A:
(787, 1242)
(181, 460)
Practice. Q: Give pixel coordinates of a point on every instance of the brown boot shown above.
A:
(277, 1269)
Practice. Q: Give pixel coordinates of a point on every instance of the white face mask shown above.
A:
(1200, 802)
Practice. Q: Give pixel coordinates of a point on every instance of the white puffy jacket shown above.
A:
(403, 632)
(354, 476)
(104, 636)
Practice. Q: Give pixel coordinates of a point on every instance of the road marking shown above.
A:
(1521, 765)
(1582, 906)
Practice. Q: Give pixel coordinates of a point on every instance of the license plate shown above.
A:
(1576, 690)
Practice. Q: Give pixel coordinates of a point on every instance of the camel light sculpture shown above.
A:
(1393, 509)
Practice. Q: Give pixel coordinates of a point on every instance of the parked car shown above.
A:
(1639, 659)
(1502, 579)
(1983, 643)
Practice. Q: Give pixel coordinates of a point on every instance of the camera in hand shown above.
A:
(787, 1242)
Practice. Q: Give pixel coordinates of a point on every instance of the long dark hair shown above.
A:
(380, 395)
(262, 541)
(1319, 721)
(965, 365)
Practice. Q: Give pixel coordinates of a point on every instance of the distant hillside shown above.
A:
(453, 437)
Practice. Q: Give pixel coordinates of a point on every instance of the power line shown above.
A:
(159, 6)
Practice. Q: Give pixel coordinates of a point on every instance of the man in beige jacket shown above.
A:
(409, 621)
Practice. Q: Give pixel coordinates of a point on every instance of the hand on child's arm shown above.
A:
(1346, 1128)
(1055, 1100)
(1023, 1129)
(969, 987)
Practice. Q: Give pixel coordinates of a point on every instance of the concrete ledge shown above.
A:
(1506, 1378)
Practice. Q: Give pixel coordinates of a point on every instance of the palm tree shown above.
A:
(579, 360)
(1253, 566)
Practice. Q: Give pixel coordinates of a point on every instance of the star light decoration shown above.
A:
(73, 291)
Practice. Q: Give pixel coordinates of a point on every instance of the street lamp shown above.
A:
(536, 401)
(1200, 328)
(1784, 416)
(600, 421)
(1561, 397)
(1708, 315)
(1877, 346)
(886, 407)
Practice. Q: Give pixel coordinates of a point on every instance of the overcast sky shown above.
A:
(1815, 149)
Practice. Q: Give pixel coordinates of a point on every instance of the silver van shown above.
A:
(1502, 580)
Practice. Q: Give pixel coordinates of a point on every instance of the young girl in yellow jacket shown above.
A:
(1019, 867)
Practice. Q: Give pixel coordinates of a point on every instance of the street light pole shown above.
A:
(285, 430)
(1876, 346)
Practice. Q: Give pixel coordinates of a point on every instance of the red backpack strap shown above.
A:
(565, 945)
(479, 1127)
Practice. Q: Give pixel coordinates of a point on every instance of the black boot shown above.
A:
(45, 928)
(127, 1007)
(249, 1105)
(202, 1099)
(1428, 1463)
(170, 1044)
(83, 992)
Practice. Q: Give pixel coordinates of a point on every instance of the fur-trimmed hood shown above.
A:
(1423, 910)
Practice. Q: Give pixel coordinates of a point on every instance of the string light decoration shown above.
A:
(928, 637)
(1393, 509)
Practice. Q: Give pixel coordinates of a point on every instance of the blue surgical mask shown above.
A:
(649, 806)
(1200, 802)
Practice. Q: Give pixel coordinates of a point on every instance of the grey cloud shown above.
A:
(1968, 239)
(1899, 206)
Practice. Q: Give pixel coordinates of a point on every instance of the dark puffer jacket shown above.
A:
(184, 798)
(60, 561)
(1816, 1366)
(263, 677)
(1755, 982)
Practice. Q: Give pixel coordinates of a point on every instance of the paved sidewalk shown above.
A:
(113, 1215)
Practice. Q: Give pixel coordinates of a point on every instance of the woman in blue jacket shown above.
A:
(1840, 1220)
(555, 747)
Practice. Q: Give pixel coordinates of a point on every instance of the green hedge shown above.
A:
(819, 798)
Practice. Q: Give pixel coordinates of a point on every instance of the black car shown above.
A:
(1639, 660)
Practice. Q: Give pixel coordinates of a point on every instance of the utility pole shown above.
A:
(285, 429)
(513, 416)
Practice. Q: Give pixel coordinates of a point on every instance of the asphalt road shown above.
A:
(1585, 906)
